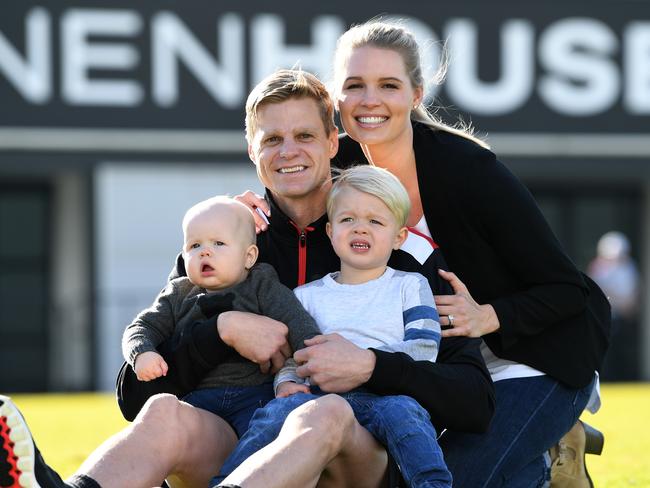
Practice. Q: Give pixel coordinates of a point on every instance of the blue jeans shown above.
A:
(531, 415)
(398, 422)
(235, 404)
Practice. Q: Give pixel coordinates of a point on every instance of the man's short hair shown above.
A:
(286, 84)
(377, 182)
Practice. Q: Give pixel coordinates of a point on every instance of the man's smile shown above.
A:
(292, 169)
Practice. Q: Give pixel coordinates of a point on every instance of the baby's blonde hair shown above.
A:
(245, 215)
(374, 181)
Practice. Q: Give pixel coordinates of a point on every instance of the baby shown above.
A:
(220, 253)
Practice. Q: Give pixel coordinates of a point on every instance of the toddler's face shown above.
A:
(216, 251)
(363, 232)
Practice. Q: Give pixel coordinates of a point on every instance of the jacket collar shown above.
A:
(282, 227)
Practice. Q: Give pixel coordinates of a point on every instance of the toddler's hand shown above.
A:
(289, 388)
(149, 366)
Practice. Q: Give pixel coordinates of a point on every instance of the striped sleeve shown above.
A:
(421, 322)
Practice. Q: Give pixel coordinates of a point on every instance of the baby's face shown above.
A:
(217, 252)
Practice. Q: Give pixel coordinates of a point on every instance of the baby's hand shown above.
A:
(289, 388)
(149, 366)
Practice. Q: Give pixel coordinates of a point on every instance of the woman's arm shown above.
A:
(549, 287)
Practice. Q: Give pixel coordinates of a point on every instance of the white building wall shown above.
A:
(71, 346)
(139, 208)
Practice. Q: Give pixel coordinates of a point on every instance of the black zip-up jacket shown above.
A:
(456, 390)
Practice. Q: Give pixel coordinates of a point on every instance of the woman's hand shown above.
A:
(259, 206)
(462, 313)
(334, 363)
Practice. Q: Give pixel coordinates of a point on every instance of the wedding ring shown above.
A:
(451, 319)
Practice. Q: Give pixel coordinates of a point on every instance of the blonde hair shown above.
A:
(390, 35)
(377, 182)
(286, 84)
(246, 225)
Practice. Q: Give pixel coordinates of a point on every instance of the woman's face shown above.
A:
(375, 96)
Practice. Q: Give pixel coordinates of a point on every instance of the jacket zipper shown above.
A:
(302, 253)
(302, 258)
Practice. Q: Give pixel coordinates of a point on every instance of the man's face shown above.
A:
(291, 148)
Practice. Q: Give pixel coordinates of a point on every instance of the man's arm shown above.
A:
(456, 390)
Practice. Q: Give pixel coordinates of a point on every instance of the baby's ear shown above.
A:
(251, 255)
(401, 236)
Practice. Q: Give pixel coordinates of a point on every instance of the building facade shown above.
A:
(115, 117)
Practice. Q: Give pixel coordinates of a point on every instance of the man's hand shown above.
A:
(257, 338)
(289, 388)
(334, 363)
(149, 366)
(259, 206)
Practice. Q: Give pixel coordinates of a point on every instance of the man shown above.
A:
(291, 136)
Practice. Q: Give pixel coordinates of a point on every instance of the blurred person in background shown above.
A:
(617, 274)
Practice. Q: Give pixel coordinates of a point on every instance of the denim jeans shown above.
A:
(398, 422)
(235, 404)
(531, 415)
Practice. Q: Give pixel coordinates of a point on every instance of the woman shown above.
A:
(524, 289)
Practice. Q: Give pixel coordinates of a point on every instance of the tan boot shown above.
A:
(568, 468)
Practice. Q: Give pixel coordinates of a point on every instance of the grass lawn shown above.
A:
(68, 427)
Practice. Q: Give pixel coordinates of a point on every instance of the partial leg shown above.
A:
(167, 437)
(400, 422)
(310, 439)
(264, 428)
(531, 415)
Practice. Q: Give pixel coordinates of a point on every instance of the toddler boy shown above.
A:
(220, 253)
(372, 305)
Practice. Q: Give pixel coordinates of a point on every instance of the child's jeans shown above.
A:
(235, 404)
(398, 422)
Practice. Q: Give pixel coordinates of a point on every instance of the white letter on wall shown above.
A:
(79, 55)
(515, 85)
(583, 79)
(636, 60)
(173, 42)
(31, 77)
(270, 51)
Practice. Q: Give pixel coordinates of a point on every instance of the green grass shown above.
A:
(69, 427)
